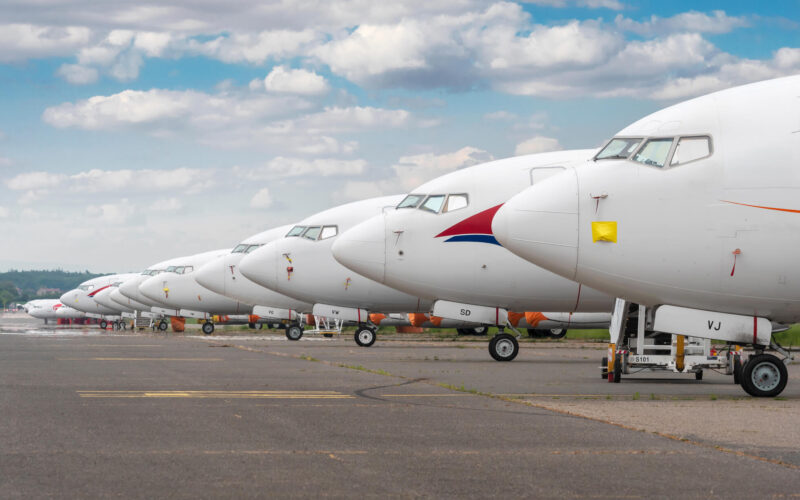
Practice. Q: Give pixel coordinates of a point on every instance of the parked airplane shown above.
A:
(301, 265)
(438, 244)
(128, 294)
(43, 308)
(103, 297)
(180, 295)
(691, 211)
(82, 299)
(223, 276)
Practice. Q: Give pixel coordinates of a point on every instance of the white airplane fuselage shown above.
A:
(223, 276)
(82, 298)
(304, 268)
(445, 249)
(702, 212)
(180, 291)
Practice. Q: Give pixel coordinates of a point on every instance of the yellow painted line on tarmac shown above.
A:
(427, 395)
(139, 359)
(217, 394)
(123, 345)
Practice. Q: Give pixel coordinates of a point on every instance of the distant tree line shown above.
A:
(21, 286)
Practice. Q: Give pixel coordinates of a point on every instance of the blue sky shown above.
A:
(155, 129)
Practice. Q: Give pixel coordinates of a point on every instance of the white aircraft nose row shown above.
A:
(363, 248)
(541, 224)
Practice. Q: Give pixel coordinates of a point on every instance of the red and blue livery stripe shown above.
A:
(477, 228)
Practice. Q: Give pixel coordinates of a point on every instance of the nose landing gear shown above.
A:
(503, 347)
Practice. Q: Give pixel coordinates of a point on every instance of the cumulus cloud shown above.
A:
(77, 74)
(687, 22)
(537, 144)
(27, 41)
(262, 199)
(166, 205)
(281, 167)
(295, 81)
(111, 213)
(4, 212)
(34, 180)
(411, 171)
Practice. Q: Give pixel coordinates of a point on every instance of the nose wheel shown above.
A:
(163, 325)
(764, 376)
(294, 332)
(365, 337)
(208, 328)
(503, 347)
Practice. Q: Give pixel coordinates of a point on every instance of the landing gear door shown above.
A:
(538, 174)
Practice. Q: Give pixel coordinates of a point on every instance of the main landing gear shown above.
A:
(365, 336)
(553, 333)
(503, 346)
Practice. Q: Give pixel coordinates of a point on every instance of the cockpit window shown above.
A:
(654, 152)
(411, 201)
(187, 269)
(240, 248)
(433, 203)
(619, 148)
(171, 269)
(179, 270)
(296, 231)
(312, 233)
(455, 202)
(691, 149)
(328, 232)
(85, 288)
(251, 248)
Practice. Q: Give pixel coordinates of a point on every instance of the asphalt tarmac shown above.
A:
(93, 414)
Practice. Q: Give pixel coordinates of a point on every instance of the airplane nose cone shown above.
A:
(261, 266)
(130, 288)
(153, 289)
(363, 248)
(68, 297)
(540, 224)
(211, 276)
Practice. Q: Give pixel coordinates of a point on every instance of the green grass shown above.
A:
(790, 337)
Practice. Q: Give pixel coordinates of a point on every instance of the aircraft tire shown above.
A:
(535, 333)
(764, 376)
(103, 324)
(698, 375)
(479, 330)
(294, 332)
(208, 328)
(503, 347)
(327, 335)
(163, 325)
(557, 333)
(604, 368)
(251, 326)
(617, 368)
(365, 337)
(737, 369)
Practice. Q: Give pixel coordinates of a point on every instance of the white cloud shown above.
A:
(166, 205)
(500, 116)
(411, 171)
(281, 167)
(26, 41)
(295, 81)
(686, 22)
(4, 212)
(262, 199)
(256, 48)
(537, 144)
(111, 213)
(77, 74)
(34, 180)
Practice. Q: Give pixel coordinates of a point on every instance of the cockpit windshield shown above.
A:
(411, 201)
(251, 248)
(619, 148)
(654, 152)
(171, 269)
(312, 233)
(433, 203)
(240, 248)
(296, 231)
(179, 270)
(85, 288)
